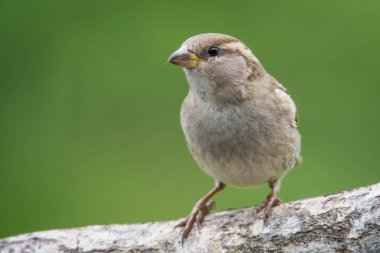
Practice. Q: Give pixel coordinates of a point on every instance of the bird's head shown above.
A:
(216, 63)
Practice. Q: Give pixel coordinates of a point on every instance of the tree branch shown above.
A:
(348, 221)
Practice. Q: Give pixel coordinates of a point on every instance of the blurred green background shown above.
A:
(89, 108)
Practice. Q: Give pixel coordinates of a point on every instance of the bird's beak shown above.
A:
(183, 58)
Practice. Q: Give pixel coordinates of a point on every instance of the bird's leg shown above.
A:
(271, 201)
(200, 210)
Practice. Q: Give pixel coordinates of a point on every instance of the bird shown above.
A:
(239, 122)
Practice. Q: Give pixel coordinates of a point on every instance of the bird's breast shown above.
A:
(235, 145)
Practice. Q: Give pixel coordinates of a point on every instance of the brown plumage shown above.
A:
(239, 122)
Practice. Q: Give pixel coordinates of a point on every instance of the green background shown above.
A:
(89, 107)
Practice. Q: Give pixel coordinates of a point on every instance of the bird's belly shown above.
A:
(244, 157)
(247, 171)
(239, 174)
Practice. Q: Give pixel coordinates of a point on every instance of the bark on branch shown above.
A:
(343, 222)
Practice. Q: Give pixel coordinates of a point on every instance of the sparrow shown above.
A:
(240, 123)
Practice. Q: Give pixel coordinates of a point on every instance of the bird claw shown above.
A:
(196, 216)
(271, 201)
(180, 224)
(206, 209)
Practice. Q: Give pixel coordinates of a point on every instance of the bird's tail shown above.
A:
(299, 160)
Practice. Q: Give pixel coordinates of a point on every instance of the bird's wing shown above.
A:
(286, 103)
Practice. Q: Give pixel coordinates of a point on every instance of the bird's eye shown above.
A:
(213, 51)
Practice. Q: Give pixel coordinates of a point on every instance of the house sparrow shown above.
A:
(240, 123)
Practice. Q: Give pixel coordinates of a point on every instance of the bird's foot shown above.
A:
(197, 215)
(271, 201)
